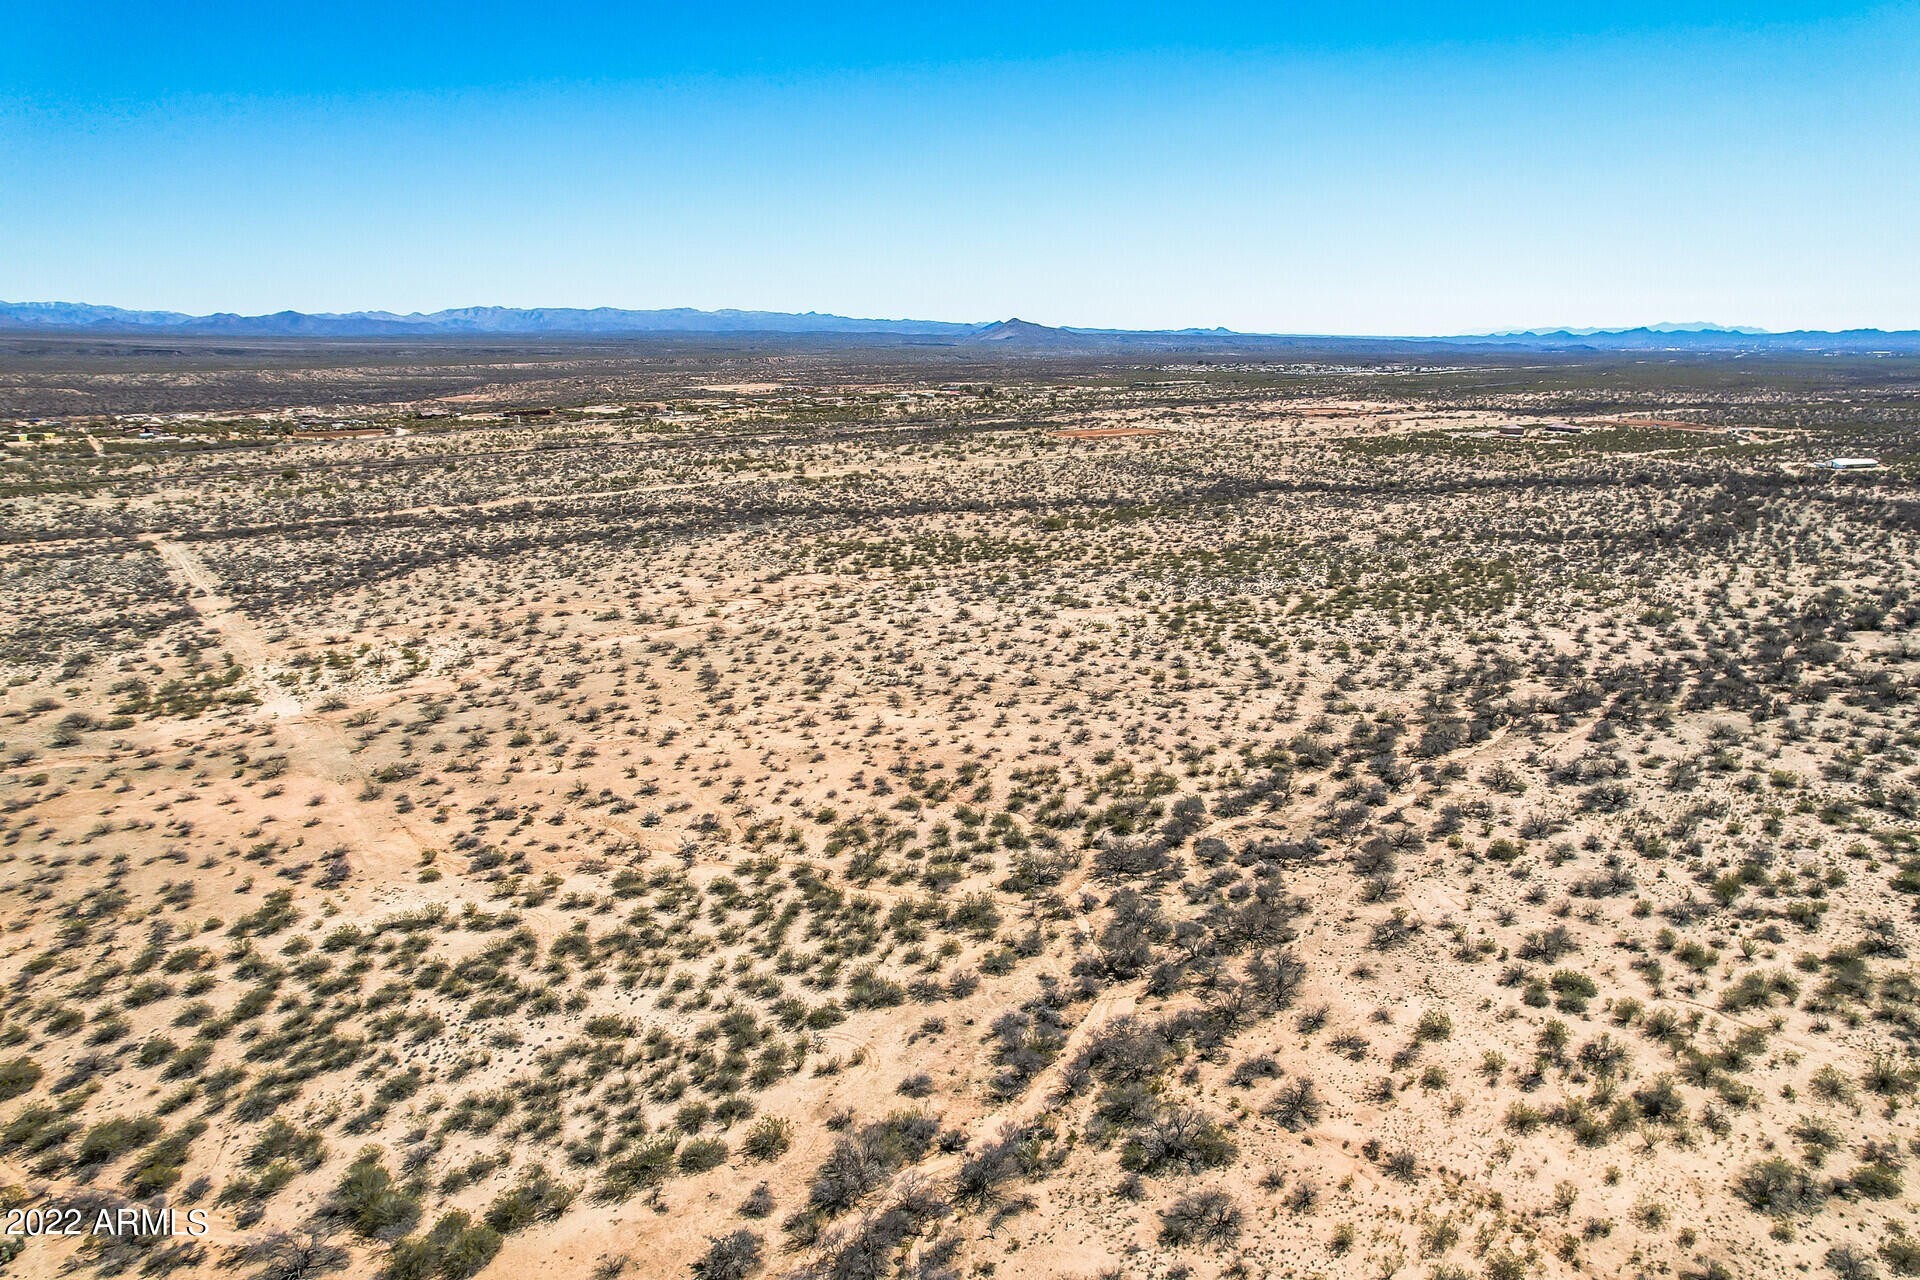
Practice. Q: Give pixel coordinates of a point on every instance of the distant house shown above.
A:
(1848, 464)
(522, 415)
(1513, 432)
(1564, 428)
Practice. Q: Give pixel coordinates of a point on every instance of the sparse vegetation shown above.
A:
(848, 828)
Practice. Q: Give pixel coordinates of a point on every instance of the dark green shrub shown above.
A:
(537, 1197)
(768, 1139)
(370, 1202)
(1778, 1186)
(17, 1076)
(702, 1154)
(111, 1139)
(647, 1165)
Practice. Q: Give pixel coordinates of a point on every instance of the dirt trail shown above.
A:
(316, 748)
(236, 631)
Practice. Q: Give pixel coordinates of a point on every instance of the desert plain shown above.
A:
(842, 812)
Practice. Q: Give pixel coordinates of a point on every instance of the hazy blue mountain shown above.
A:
(1693, 338)
(1592, 330)
(1011, 334)
(461, 320)
(80, 315)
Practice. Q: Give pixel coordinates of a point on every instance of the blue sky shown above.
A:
(1407, 169)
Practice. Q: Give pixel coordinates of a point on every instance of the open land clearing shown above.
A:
(714, 810)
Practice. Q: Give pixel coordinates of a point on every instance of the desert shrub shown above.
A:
(282, 1141)
(1548, 945)
(1025, 1041)
(1123, 859)
(1127, 1049)
(1249, 1070)
(154, 1051)
(982, 1173)
(869, 1246)
(288, 1255)
(1754, 990)
(1176, 1140)
(759, 1202)
(976, 913)
(411, 1259)
(1876, 1180)
(1203, 1217)
(1503, 1264)
(702, 1154)
(17, 1076)
(849, 1172)
(1883, 1076)
(455, 1249)
(1902, 1253)
(859, 1164)
(1660, 1101)
(734, 1256)
(1211, 851)
(1394, 931)
(1275, 979)
(1400, 1163)
(370, 1202)
(1830, 1085)
(1778, 1186)
(1603, 1056)
(535, 1198)
(36, 1129)
(1572, 989)
(647, 1165)
(160, 1166)
(868, 990)
(768, 1139)
(1848, 1263)
(1296, 1106)
(111, 1139)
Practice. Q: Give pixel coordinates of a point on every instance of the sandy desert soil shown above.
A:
(793, 816)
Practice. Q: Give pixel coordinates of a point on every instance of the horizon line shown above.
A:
(158, 318)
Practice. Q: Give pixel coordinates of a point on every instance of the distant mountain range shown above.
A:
(1014, 334)
(1696, 327)
(80, 316)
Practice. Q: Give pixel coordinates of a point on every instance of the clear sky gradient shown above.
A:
(1407, 169)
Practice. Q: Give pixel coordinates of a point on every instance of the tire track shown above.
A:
(317, 749)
